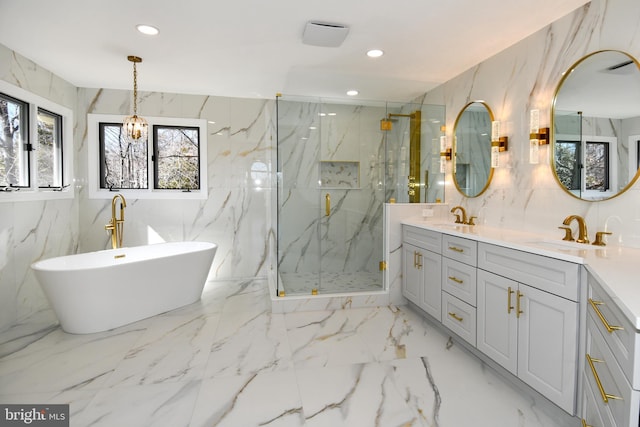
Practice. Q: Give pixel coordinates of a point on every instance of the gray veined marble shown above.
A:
(228, 361)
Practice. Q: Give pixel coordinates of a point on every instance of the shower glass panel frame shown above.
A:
(330, 195)
(336, 167)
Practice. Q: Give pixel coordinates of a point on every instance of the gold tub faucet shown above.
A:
(583, 236)
(116, 225)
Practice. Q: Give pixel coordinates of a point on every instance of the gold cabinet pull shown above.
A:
(509, 306)
(456, 249)
(327, 204)
(455, 279)
(584, 423)
(610, 328)
(518, 311)
(417, 260)
(455, 316)
(605, 396)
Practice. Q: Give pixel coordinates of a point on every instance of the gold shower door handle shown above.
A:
(327, 204)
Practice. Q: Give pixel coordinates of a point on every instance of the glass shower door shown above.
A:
(299, 205)
(331, 175)
(352, 182)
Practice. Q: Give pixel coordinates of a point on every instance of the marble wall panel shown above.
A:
(239, 186)
(524, 77)
(30, 231)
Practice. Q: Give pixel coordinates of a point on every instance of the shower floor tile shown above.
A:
(343, 282)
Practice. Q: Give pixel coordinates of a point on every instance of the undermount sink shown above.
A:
(563, 245)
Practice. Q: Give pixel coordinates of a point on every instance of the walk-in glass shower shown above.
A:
(336, 168)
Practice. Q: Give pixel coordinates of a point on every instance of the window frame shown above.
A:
(57, 163)
(93, 161)
(612, 167)
(33, 192)
(156, 154)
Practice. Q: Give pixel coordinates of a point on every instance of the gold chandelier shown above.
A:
(135, 127)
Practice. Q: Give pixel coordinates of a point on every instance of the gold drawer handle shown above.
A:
(584, 423)
(518, 310)
(509, 306)
(455, 316)
(453, 248)
(605, 396)
(610, 328)
(455, 279)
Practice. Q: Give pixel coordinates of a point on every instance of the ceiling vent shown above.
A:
(324, 34)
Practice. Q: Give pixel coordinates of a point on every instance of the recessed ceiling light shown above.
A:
(375, 53)
(352, 92)
(149, 30)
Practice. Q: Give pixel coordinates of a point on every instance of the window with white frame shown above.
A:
(33, 133)
(167, 165)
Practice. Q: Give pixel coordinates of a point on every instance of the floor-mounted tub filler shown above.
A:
(98, 291)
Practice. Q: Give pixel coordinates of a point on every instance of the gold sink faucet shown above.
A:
(116, 225)
(460, 220)
(583, 237)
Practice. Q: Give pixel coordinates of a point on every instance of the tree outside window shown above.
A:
(177, 157)
(14, 162)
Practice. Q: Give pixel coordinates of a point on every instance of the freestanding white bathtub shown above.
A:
(98, 291)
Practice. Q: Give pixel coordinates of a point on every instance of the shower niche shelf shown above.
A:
(339, 174)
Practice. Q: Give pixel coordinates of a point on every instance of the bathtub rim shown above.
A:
(42, 264)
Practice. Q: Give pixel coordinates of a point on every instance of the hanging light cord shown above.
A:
(135, 60)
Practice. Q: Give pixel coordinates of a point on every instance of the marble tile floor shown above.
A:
(332, 282)
(229, 361)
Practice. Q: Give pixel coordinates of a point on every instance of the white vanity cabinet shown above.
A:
(459, 258)
(524, 325)
(612, 368)
(517, 308)
(421, 269)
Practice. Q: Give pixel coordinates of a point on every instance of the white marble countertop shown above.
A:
(613, 266)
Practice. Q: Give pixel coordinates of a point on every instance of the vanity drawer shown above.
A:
(547, 274)
(623, 342)
(605, 376)
(460, 317)
(594, 411)
(460, 249)
(425, 239)
(459, 280)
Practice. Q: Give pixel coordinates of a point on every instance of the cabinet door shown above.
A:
(411, 275)
(497, 334)
(547, 345)
(431, 265)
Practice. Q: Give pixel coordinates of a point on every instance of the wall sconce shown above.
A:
(537, 136)
(445, 154)
(498, 144)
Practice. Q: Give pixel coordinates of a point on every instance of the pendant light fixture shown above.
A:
(135, 127)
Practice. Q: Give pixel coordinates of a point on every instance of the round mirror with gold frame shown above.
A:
(595, 126)
(472, 171)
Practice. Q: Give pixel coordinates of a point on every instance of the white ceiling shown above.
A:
(254, 49)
